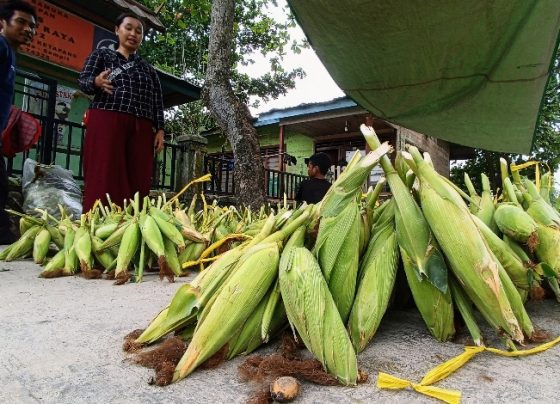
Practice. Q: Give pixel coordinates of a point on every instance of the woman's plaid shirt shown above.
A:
(137, 89)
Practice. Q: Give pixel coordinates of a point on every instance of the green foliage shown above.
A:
(546, 147)
(183, 49)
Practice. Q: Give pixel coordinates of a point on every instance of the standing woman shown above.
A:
(126, 111)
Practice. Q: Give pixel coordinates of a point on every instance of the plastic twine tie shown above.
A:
(440, 372)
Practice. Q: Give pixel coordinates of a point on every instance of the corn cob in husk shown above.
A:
(24, 245)
(425, 268)
(514, 222)
(41, 245)
(313, 313)
(465, 307)
(472, 262)
(337, 247)
(377, 275)
(237, 299)
(514, 266)
(482, 206)
(337, 250)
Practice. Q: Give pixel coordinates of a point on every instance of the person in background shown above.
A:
(125, 119)
(18, 26)
(313, 189)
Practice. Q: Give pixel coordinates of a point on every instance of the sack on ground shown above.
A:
(47, 186)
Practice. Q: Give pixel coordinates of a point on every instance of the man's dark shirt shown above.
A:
(137, 89)
(7, 77)
(312, 190)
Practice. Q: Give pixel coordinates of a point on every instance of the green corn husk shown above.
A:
(4, 253)
(514, 222)
(337, 250)
(548, 226)
(24, 245)
(482, 206)
(313, 313)
(105, 230)
(82, 247)
(154, 240)
(471, 260)
(510, 261)
(41, 245)
(25, 223)
(537, 207)
(237, 299)
(127, 249)
(54, 267)
(56, 237)
(516, 302)
(105, 258)
(464, 305)
(423, 260)
(347, 187)
(266, 320)
(546, 185)
(378, 271)
(115, 238)
(70, 257)
(168, 228)
(171, 256)
(413, 233)
(548, 250)
(250, 332)
(435, 307)
(364, 235)
(272, 302)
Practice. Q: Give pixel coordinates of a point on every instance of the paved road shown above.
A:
(61, 343)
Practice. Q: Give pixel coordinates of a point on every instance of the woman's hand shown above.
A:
(158, 141)
(103, 83)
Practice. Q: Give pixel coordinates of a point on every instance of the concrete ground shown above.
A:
(61, 342)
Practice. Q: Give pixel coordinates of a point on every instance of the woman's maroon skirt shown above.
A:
(118, 157)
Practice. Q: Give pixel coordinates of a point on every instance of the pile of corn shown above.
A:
(327, 270)
(111, 242)
(330, 270)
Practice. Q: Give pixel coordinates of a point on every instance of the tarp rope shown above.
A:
(386, 381)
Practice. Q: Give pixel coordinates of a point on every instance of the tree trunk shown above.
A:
(232, 115)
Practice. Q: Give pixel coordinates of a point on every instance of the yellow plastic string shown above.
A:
(517, 167)
(386, 381)
(525, 352)
(445, 369)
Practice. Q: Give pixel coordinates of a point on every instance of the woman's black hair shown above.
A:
(8, 8)
(122, 16)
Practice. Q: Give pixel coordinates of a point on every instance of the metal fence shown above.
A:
(277, 183)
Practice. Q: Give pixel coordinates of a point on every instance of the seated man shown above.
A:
(313, 189)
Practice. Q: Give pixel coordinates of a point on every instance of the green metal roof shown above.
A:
(470, 72)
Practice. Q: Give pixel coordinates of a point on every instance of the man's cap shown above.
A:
(321, 160)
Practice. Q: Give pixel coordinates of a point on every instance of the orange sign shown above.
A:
(62, 38)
